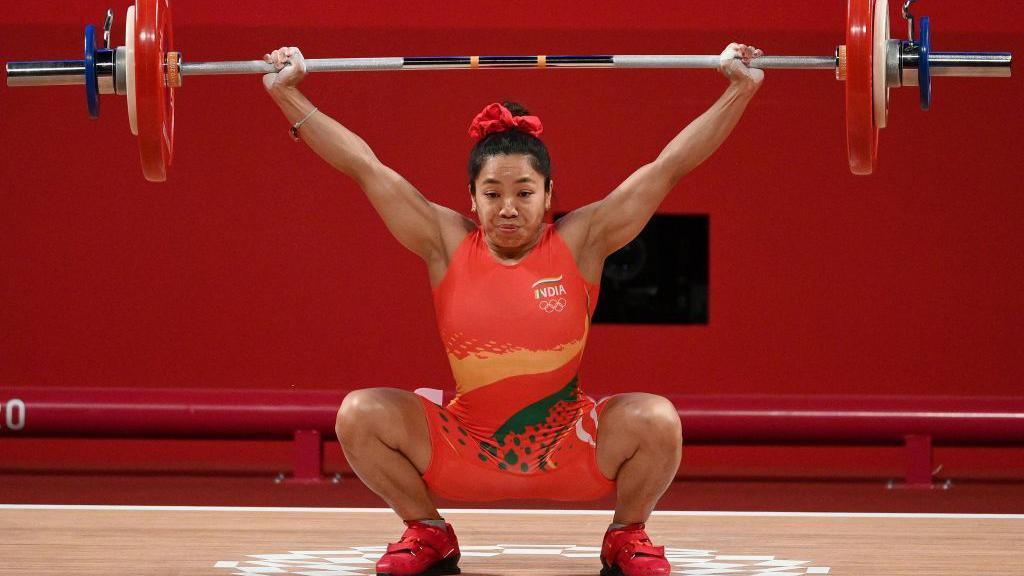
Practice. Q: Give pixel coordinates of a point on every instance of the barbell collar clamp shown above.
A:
(120, 70)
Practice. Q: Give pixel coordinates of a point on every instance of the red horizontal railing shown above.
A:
(851, 419)
(203, 413)
(173, 413)
(308, 416)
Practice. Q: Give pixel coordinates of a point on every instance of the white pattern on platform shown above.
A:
(360, 561)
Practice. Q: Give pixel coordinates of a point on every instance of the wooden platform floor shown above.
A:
(108, 541)
(795, 495)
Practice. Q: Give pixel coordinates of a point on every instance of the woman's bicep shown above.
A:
(409, 216)
(620, 216)
(425, 228)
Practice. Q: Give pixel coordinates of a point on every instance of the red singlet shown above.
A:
(519, 426)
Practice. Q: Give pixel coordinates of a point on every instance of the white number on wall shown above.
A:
(13, 414)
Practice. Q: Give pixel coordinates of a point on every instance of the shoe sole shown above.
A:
(612, 570)
(442, 568)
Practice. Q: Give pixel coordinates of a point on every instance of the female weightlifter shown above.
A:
(513, 297)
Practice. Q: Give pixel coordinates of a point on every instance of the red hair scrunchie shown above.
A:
(496, 118)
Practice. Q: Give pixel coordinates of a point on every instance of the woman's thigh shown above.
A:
(625, 420)
(396, 417)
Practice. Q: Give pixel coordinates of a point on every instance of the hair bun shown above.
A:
(516, 108)
(495, 118)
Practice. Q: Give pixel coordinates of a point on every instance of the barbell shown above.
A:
(148, 70)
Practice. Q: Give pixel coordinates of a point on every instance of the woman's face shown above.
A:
(510, 201)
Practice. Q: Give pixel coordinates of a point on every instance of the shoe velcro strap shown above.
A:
(646, 550)
(411, 546)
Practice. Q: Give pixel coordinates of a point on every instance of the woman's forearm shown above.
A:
(338, 145)
(705, 134)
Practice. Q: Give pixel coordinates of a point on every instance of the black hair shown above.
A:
(510, 142)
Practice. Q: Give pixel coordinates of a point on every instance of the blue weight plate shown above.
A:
(924, 70)
(92, 88)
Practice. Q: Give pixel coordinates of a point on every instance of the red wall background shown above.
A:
(256, 265)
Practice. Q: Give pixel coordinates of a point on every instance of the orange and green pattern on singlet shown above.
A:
(514, 335)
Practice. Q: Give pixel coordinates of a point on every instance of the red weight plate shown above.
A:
(861, 131)
(154, 100)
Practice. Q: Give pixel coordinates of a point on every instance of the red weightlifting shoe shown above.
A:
(627, 551)
(423, 550)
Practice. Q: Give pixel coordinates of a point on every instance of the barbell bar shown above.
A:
(147, 70)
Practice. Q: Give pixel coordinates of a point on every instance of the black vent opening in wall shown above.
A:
(661, 277)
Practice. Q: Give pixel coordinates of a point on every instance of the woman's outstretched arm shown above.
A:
(420, 225)
(615, 220)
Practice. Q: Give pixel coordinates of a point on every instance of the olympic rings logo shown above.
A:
(553, 305)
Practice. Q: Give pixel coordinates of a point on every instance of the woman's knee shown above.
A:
(652, 414)
(360, 411)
